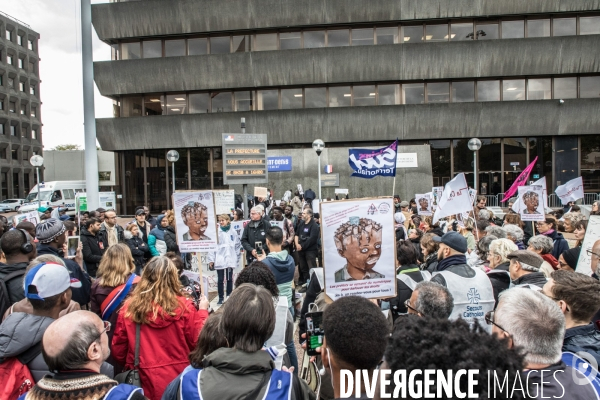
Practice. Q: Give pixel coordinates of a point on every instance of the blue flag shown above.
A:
(368, 163)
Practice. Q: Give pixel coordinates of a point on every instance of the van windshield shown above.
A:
(44, 196)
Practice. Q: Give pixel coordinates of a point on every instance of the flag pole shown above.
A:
(395, 170)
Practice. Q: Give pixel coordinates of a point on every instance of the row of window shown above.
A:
(19, 62)
(424, 32)
(21, 41)
(13, 107)
(15, 130)
(14, 154)
(362, 95)
(23, 86)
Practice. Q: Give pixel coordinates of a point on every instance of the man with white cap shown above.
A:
(48, 288)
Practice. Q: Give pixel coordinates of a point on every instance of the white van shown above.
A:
(53, 194)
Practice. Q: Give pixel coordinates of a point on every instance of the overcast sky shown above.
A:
(59, 26)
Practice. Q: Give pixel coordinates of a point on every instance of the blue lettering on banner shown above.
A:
(279, 164)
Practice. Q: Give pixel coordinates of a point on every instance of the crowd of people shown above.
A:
(121, 319)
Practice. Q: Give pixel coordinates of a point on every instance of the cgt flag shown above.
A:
(455, 199)
(570, 191)
(520, 181)
(368, 163)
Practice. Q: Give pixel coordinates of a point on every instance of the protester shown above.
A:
(399, 220)
(408, 275)
(287, 228)
(430, 299)
(524, 269)
(51, 234)
(580, 229)
(429, 249)
(19, 249)
(297, 203)
(484, 215)
(548, 228)
(515, 219)
(46, 212)
(76, 346)
(435, 344)
(467, 232)
(93, 245)
(481, 202)
(111, 231)
(170, 235)
(571, 219)
(142, 224)
(101, 213)
(499, 265)
(427, 226)
(515, 234)
(307, 236)
(281, 264)
(139, 249)
(355, 337)
(48, 289)
(483, 248)
(156, 237)
(227, 257)
(254, 233)
(189, 287)
(534, 323)
(495, 230)
(482, 225)
(568, 259)
(27, 227)
(595, 208)
(169, 327)
(542, 245)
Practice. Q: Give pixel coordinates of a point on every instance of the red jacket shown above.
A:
(164, 345)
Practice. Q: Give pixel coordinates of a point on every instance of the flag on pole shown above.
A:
(368, 163)
(520, 181)
(570, 191)
(455, 198)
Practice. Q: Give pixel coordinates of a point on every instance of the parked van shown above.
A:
(53, 194)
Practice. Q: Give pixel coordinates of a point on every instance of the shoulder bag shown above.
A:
(132, 377)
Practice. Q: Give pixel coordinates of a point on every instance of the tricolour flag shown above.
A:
(328, 169)
(455, 198)
(570, 191)
(368, 163)
(520, 181)
(229, 138)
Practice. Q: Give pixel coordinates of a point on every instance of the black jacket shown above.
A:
(254, 232)
(139, 250)
(560, 243)
(500, 280)
(308, 235)
(583, 338)
(104, 234)
(404, 292)
(80, 295)
(532, 278)
(15, 285)
(93, 249)
(430, 263)
(171, 240)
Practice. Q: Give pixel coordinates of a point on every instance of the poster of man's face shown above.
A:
(533, 209)
(589, 257)
(360, 245)
(195, 217)
(423, 204)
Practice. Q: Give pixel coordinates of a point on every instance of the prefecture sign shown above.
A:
(244, 158)
(279, 163)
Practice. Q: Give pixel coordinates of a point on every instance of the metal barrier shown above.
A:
(554, 201)
(491, 201)
(499, 198)
(589, 198)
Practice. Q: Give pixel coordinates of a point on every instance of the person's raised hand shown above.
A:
(204, 303)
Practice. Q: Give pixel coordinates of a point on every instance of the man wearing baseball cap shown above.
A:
(470, 287)
(524, 269)
(47, 286)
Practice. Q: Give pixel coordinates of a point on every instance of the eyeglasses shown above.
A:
(590, 253)
(106, 329)
(408, 306)
(563, 265)
(489, 319)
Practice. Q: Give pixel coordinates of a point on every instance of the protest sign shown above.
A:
(195, 221)
(533, 203)
(224, 201)
(239, 226)
(518, 205)
(201, 271)
(300, 189)
(31, 216)
(455, 198)
(278, 223)
(359, 250)
(590, 248)
(423, 204)
(570, 191)
(436, 192)
(368, 163)
(261, 191)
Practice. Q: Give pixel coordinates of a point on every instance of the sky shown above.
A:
(59, 25)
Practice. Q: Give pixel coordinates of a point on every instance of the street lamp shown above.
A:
(173, 156)
(474, 146)
(37, 162)
(318, 146)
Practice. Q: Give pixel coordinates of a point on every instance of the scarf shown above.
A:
(226, 228)
(111, 233)
(447, 262)
(159, 231)
(549, 258)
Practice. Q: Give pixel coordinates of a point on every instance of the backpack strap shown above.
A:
(28, 356)
(4, 282)
(122, 391)
(116, 297)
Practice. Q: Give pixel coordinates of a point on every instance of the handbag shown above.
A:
(132, 377)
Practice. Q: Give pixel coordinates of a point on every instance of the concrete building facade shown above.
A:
(524, 77)
(20, 107)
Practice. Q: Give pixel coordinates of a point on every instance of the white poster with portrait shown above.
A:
(424, 203)
(359, 255)
(32, 216)
(196, 224)
(436, 192)
(533, 203)
(589, 257)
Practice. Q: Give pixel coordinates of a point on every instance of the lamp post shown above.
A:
(37, 162)
(173, 156)
(318, 146)
(474, 146)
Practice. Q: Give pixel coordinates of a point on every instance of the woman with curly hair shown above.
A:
(169, 326)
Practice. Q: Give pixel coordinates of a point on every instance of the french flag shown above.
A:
(328, 169)
(229, 138)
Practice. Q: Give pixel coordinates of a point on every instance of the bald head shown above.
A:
(75, 341)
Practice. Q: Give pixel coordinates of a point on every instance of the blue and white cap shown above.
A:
(46, 280)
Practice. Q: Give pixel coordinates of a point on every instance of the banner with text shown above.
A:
(368, 163)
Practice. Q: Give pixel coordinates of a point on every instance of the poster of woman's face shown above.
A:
(195, 221)
(533, 209)
(424, 202)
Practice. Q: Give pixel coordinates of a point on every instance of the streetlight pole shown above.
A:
(245, 185)
(173, 156)
(37, 162)
(474, 145)
(318, 146)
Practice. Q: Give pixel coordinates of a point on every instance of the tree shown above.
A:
(66, 147)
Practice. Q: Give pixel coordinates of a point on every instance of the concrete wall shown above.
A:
(70, 166)
(358, 124)
(172, 17)
(336, 65)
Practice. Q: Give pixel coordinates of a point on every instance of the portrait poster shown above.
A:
(224, 201)
(436, 191)
(239, 226)
(423, 204)
(31, 216)
(532, 197)
(196, 224)
(359, 248)
(589, 257)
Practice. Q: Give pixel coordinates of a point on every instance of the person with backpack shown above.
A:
(19, 249)
(48, 288)
(76, 346)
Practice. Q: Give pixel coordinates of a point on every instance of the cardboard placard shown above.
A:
(261, 191)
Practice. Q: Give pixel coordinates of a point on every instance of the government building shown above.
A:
(522, 76)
